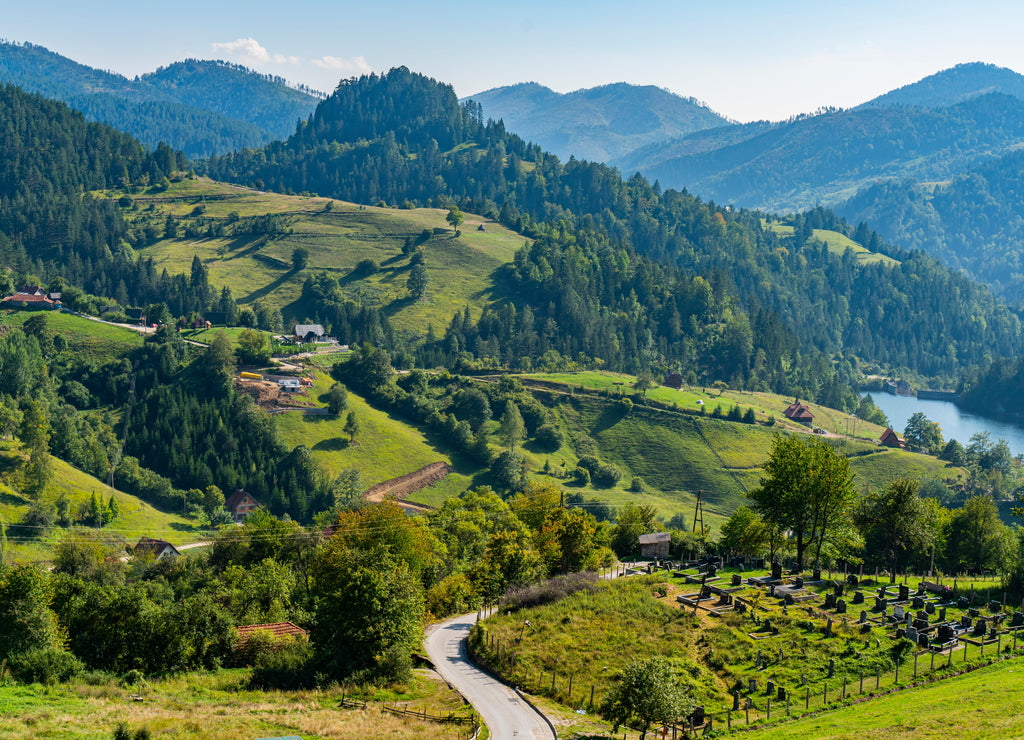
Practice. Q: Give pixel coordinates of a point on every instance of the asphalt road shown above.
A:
(506, 715)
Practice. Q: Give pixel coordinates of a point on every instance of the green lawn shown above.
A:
(90, 340)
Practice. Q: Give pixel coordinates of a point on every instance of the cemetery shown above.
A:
(764, 643)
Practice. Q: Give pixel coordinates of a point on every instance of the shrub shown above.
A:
(550, 591)
(581, 476)
(45, 665)
(549, 437)
(365, 268)
(607, 476)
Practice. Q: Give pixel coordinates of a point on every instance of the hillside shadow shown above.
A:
(397, 305)
(611, 416)
(268, 288)
(184, 527)
(11, 500)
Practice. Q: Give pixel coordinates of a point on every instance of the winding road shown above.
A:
(507, 715)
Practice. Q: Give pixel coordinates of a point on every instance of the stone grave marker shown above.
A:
(782, 694)
(858, 597)
(816, 575)
(737, 579)
(965, 622)
(920, 624)
(770, 688)
(831, 667)
(973, 613)
(852, 579)
(923, 641)
(828, 628)
(752, 686)
(904, 592)
(980, 627)
(863, 617)
(777, 571)
(942, 614)
(830, 601)
(898, 613)
(921, 590)
(838, 589)
(929, 607)
(912, 634)
(963, 602)
(917, 603)
(840, 606)
(946, 632)
(798, 582)
(735, 701)
(1017, 620)
(995, 606)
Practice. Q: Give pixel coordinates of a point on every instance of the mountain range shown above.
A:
(198, 107)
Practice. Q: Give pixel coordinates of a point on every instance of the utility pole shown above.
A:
(698, 514)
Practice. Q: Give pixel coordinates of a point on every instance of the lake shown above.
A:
(955, 423)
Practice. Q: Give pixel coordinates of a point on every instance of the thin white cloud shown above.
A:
(282, 59)
(247, 51)
(354, 65)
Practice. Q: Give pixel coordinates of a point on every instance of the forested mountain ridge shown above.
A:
(200, 108)
(826, 158)
(622, 271)
(597, 124)
(973, 222)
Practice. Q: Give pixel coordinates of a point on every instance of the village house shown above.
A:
(673, 380)
(240, 504)
(655, 545)
(30, 302)
(309, 333)
(799, 413)
(889, 438)
(159, 549)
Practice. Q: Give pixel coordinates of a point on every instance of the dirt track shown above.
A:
(398, 488)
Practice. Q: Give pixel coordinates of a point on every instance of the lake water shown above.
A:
(955, 423)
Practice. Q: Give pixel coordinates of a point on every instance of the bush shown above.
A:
(549, 437)
(607, 476)
(550, 591)
(45, 665)
(581, 476)
(287, 668)
(365, 268)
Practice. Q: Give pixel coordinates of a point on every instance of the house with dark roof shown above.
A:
(889, 438)
(240, 505)
(799, 413)
(673, 380)
(158, 549)
(655, 545)
(309, 333)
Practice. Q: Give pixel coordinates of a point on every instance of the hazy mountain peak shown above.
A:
(953, 85)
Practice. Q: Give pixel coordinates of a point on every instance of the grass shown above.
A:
(220, 707)
(985, 703)
(462, 270)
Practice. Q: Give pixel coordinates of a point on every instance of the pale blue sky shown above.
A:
(747, 59)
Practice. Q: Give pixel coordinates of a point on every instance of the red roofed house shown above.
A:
(240, 504)
(159, 549)
(30, 301)
(282, 633)
(889, 438)
(799, 413)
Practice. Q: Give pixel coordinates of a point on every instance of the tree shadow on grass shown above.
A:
(333, 444)
(268, 288)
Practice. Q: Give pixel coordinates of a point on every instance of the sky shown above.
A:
(746, 59)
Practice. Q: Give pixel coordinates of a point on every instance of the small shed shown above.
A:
(240, 505)
(655, 545)
(159, 549)
(889, 438)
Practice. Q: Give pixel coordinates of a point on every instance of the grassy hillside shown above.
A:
(137, 518)
(338, 235)
(384, 448)
(678, 454)
(89, 340)
(838, 244)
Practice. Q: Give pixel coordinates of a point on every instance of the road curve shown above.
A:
(506, 715)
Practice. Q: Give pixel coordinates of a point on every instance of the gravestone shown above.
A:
(980, 628)
(771, 589)
(922, 615)
(757, 661)
(816, 575)
(917, 603)
(831, 667)
(883, 593)
(697, 717)
(929, 608)
(789, 599)
(767, 626)
(920, 624)
(946, 632)
(921, 590)
(965, 622)
(798, 582)
(898, 613)
(828, 628)
(923, 641)
(880, 603)
(777, 571)
(838, 589)
(770, 688)
(840, 606)
(963, 602)
(735, 701)
(912, 634)
(712, 570)
(752, 686)
(1017, 620)
(750, 703)
(851, 579)
(830, 601)
(995, 606)
(863, 617)
(904, 592)
(737, 579)
(858, 597)
(782, 694)
(942, 614)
